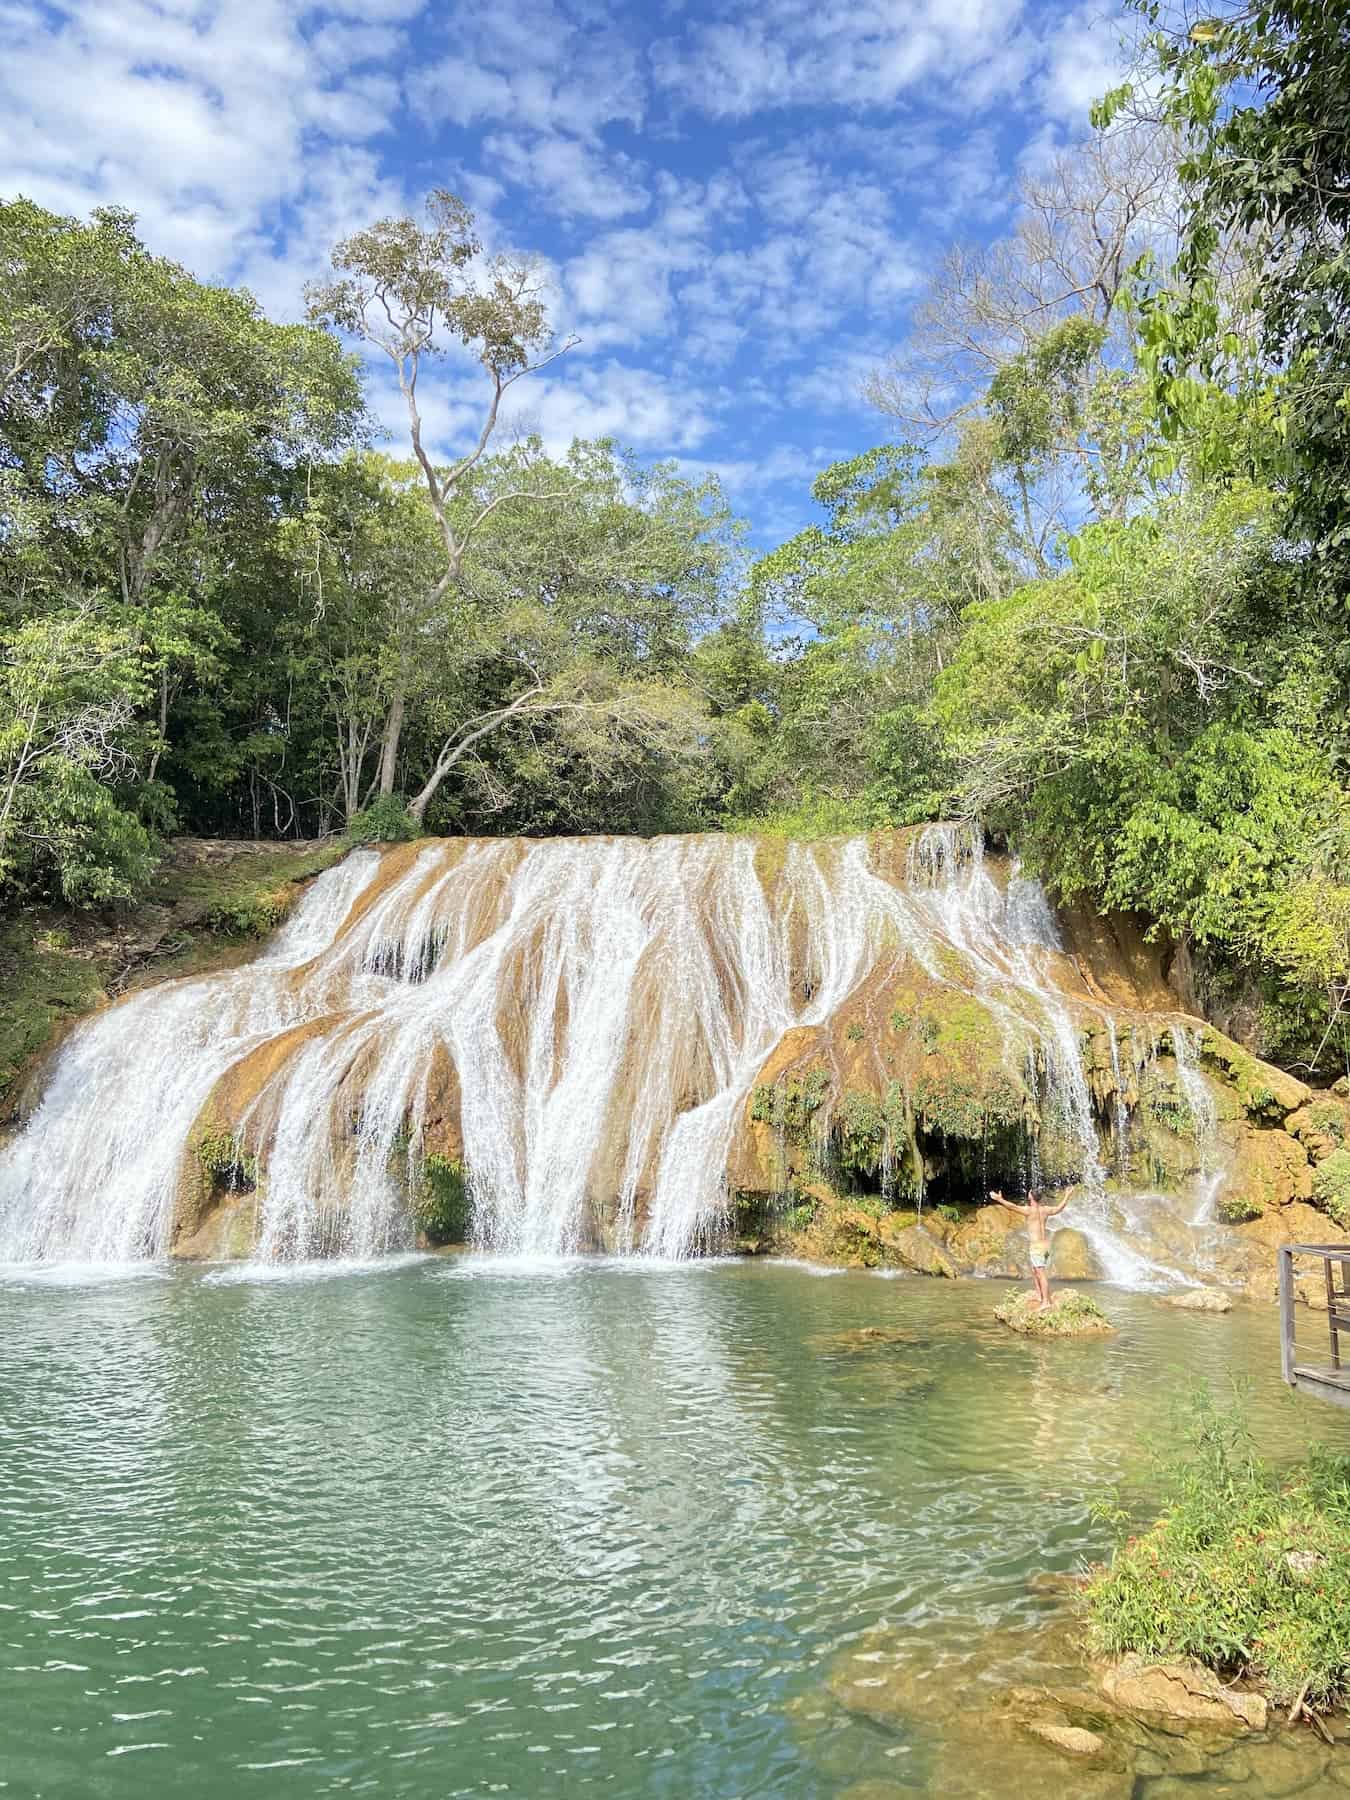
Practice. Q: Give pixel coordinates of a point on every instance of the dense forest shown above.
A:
(1091, 589)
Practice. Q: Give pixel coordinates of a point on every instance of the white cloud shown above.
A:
(850, 53)
(1087, 55)
(224, 127)
(530, 65)
(574, 178)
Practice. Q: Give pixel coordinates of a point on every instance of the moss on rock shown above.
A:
(1070, 1314)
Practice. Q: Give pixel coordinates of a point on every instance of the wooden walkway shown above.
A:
(1315, 1344)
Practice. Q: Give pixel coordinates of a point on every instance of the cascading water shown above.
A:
(1204, 1120)
(600, 1008)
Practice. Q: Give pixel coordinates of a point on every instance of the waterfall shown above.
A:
(600, 1010)
(1204, 1117)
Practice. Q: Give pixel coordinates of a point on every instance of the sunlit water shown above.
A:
(460, 1527)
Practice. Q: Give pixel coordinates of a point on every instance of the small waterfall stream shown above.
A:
(602, 1007)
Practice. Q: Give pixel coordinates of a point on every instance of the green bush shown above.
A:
(1245, 1572)
(1331, 1186)
(444, 1207)
(385, 821)
(1236, 1209)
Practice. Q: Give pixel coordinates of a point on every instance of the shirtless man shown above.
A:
(1035, 1215)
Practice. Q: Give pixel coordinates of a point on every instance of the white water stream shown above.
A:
(603, 1006)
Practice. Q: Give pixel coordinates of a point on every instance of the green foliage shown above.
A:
(385, 821)
(1245, 1571)
(791, 1106)
(443, 1208)
(1259, 96)
(225, 1161)
(1237, 1209)
(1331, 1186)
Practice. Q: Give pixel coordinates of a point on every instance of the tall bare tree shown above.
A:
(412, 291)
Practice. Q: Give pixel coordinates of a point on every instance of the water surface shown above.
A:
(455, 1527)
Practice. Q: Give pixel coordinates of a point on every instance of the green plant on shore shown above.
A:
(1245, 1571)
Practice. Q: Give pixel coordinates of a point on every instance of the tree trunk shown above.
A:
(393, 731)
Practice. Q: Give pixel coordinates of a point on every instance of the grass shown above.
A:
(41, 987)
(1246, 1571)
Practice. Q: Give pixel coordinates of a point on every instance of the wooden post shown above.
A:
(1333, 1317)
(1287, 1313)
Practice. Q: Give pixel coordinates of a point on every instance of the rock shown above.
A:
(864, 1338)
(1069, 1315)
(1184, 1691)
(1200, 1299)
(1265, 1092)
(1072, 1739)
(1056, 1581)
(1322, 1127)
(1072, 1257)
(1270, 1170)
(915, 1248)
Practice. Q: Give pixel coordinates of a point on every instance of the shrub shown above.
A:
(1331, 1186)
(385, 821)
(1245, 1572)
(1237, 1209)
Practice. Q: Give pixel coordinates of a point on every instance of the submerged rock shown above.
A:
(1200, 1299)
(1068, 1315)
(1072, 1739)
(865, 1338)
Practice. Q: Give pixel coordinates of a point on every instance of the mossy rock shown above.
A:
(914, 1247)
(1070, 1314)
(1322, 1128)
(1264, 1091)
(1271, 1169)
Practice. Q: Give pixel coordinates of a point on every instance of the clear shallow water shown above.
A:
(460, 1528)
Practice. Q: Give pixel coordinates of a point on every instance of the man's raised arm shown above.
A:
(998, 1200)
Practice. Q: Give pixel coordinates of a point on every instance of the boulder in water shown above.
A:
(1072, 1257)
(914, 1247)
(1069, 1314)
(1182, 1691)
(1200, 1299)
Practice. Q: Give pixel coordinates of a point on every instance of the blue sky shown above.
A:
(736, 203)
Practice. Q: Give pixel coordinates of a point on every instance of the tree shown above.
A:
(149, 427)
(366, 554)
(71, 682)
(574, 627)
(1258, 93)
(407, 289)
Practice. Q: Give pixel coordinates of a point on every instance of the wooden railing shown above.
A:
(1315, 1343)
